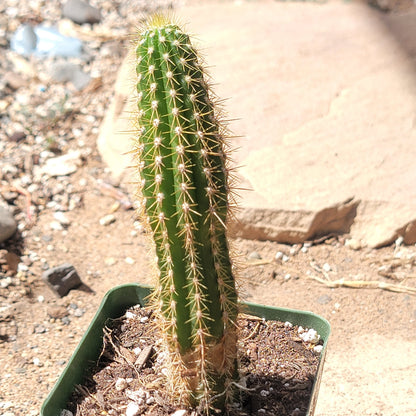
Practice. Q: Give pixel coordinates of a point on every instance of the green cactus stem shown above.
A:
(184, 184)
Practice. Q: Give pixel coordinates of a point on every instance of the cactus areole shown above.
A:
(180, 148)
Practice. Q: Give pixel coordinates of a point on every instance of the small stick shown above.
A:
(143, 357)
(362, 284)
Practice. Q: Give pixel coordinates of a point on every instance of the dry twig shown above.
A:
(363, 284)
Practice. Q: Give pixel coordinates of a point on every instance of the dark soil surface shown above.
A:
(277, 381)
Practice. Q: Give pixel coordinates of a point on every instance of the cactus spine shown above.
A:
(180, 149)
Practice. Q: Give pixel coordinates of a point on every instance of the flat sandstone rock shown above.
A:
(325, 97)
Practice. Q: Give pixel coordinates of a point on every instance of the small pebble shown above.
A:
(47, 238)
(278, 256)
(110, 261)
(288, 324)
(65, 320)
(79, 312)
(21, 267)
(318, 349)
(37, 362)
(181, 412)
(324, 299)
(81, 12)
(287, 277)
(20, 370)
(150, 400)
(129, 260)
(353, 244)
(310, 336)
(56, 311)
(285, 258)
(326, 267)
(130, 315)
(62, 165)
(132, 409)
(39, 329)
(66, 412)
(8, 225)
(144, 319)
(56, 226)
(399, 241)
(61, 218)
(254, 256)
(17, 136)
(121, 384)
(107, 219)
(62, 278)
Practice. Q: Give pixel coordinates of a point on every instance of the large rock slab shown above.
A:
(325, 97)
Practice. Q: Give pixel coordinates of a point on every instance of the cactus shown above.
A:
(185, 196)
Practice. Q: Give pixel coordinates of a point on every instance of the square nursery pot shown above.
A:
(114, 305)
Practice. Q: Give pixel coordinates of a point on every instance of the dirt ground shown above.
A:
(371, 361)
(373, 330)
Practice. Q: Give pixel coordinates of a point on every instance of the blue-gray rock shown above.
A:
(81, 12)
(44, 41)
(8, 225)
(66, 72)
(24, 40)
(61, 279)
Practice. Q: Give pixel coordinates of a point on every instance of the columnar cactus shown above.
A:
(184, 183)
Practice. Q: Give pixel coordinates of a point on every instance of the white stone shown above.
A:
(318, 349)
(62, 165)
(56, 226)
(61, 218)
(121, 384)
(181, 412)
(310, 336)
(353, 244)
(107, 219)
(129, 260)
(132, 409)
(279, 255)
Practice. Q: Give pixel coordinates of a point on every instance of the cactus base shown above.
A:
(121, 298)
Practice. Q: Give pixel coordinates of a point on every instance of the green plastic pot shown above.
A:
(114, 305)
